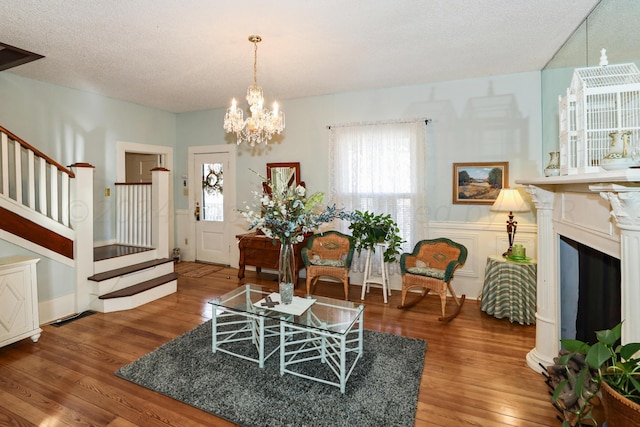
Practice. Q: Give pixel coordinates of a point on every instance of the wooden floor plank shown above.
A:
(474, 372)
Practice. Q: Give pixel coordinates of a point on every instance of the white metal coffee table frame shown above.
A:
(328, 332)
(301, 343)
(226, 328)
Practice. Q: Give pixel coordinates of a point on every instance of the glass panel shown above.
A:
(325, 314)
(212, 192)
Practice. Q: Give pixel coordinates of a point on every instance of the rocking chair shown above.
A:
(431, 266)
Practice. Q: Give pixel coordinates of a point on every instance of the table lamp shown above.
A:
(510, 200)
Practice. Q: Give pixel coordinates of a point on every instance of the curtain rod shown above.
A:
(386, 122)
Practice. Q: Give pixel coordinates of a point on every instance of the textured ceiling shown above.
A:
(194, 54)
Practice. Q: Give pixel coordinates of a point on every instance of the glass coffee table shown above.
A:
(311, 330)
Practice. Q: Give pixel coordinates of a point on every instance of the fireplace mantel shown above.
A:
(629, 175)
(601, 210)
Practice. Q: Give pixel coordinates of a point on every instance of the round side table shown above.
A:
(510, 290)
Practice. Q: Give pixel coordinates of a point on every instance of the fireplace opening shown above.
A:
(590, 291)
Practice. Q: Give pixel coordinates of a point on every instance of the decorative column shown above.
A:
(625, 210)
(547, 313)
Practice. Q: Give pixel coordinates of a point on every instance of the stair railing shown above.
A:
(32, 179)
(142, 212)
(133, 213)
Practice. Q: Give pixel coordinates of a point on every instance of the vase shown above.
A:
(620, 155)
(286, 270)
(553, 168)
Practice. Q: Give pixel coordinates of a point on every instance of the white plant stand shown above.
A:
(383, 279)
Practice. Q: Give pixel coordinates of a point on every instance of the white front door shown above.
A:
(211, 207)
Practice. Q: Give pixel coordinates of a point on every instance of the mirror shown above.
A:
(610, 25)
(283, 175)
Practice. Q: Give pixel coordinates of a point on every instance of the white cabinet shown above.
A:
(18, 299)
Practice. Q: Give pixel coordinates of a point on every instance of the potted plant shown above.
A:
(368, 229)
(605, 370)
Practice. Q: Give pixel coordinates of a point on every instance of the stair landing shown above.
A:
(116, 250)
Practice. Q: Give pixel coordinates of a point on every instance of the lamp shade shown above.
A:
(510, 200)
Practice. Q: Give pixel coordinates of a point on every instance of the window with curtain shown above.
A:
(381, 167)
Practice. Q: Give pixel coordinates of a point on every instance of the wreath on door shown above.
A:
(212, 183)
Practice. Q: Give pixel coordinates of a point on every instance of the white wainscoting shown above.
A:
(481, 241)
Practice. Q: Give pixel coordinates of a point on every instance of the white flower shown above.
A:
(287, 215)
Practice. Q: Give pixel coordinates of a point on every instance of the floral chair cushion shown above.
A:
(427, 271)
(328, 262)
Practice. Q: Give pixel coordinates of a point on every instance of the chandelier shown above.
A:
(262, 124)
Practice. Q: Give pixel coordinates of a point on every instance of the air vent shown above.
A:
(11, 56)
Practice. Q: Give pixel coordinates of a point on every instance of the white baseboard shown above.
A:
(52, 310)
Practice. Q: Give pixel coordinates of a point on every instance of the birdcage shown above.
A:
(568, 135)
(599, 101)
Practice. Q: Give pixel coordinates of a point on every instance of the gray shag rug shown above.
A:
(382, 390)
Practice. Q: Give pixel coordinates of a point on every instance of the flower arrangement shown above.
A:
(287, 214)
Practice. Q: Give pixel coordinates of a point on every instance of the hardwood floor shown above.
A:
(475, 372)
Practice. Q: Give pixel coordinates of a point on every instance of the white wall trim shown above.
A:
(55, 309)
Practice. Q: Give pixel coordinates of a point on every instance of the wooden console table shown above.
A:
(261, 252)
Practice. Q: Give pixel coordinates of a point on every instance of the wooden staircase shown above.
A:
(48, 209)
(128, 276)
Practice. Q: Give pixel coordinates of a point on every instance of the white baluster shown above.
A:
(135, 210)
(147, 211)
(119, 213)
(42, 187)
(53, 190)
(17, 159)
(5, 165)
(31, 184)
(64, 205)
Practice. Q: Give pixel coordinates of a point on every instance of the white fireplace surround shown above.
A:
(601, 210)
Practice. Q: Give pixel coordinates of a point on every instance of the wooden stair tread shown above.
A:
(128, 269)
(141, 287)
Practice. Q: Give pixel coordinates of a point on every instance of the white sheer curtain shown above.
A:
(381, 167)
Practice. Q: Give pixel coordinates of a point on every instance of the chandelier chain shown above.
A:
(255, 63)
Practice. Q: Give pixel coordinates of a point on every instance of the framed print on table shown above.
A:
(479, 183)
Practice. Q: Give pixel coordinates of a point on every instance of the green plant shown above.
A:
(368, 229)
(588, 366)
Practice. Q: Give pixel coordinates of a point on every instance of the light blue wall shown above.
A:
(74, 126)
(54, 279)
(477, 120)
(495, 118)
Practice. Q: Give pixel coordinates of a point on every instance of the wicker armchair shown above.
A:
(328, 254)
(431, 266)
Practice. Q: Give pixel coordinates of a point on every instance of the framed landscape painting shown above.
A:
(479, 183)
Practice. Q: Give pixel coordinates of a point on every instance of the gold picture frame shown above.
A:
(479, 183)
